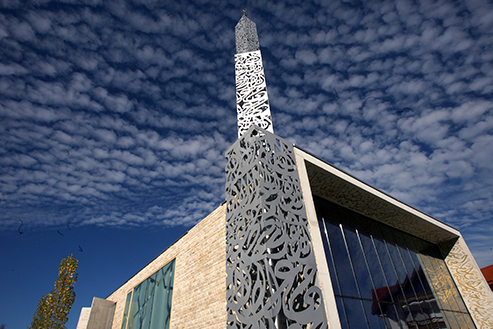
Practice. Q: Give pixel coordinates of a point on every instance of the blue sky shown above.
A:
(115, 116)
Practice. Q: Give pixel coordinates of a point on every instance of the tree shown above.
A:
(53, 309)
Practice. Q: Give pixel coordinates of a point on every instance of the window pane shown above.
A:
(147, 309)
(464, 320)
(420, 302)
(151, 301)
(354, 309)
(374, 320)
(329, 255)
(341, 258)
(374, 265)
(125, 312)
(388, 273)
(444, 288)
(342, 313)
(359, 264)
(161, 306)
(386, 278)
(138, 304)
(423, 289)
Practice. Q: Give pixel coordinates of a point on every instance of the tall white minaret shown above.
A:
(252, 102)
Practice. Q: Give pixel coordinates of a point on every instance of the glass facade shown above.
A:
(148, 305)
(385, 278)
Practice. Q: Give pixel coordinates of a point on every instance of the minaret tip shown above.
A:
(252, 102)
(246, 34)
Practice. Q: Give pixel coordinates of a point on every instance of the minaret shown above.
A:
(272, 279)
(252, 102)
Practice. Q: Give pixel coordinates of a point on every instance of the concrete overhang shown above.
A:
(333, 184)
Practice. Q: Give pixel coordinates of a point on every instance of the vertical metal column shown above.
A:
(270, 264)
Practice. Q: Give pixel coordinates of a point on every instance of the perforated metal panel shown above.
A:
(252, 102)
(271, 270)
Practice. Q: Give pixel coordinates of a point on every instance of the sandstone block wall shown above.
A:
(199, 290)
(83, 318)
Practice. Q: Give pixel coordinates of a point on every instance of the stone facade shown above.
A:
(83, 318)
(199, 289)
(471, 283)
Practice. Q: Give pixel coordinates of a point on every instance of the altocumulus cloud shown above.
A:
(111, 113)
(119, 112)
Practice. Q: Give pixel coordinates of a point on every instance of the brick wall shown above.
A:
(199, 291)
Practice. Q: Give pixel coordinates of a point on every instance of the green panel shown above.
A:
(150, 306)
(136, 309)
(125, 312)
(161, 306)
(147, 306)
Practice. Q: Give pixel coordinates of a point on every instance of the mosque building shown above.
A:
(298, 243)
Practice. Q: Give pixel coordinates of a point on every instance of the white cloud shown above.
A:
(126, 108)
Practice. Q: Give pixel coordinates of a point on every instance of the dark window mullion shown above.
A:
(369, 271)
(417, 271)
(384, 276)
(421, 257)
(410, 243)
(354, 274)
(399, 283)
(410, 275)
(446, 308)
(404, 280)
(397, 236)
(331, 255)
(335, 270)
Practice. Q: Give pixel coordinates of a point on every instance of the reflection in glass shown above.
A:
(150, 302)
(359, 265)
(354, 308)
(341, 265)
(381, 276)
(330, 259)
(342, 313)
(125, 312)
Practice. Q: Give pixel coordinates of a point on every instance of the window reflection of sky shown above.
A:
(377, 274)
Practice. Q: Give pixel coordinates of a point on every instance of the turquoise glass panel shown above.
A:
(125, 312)
(150, 303)
(161, 306)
